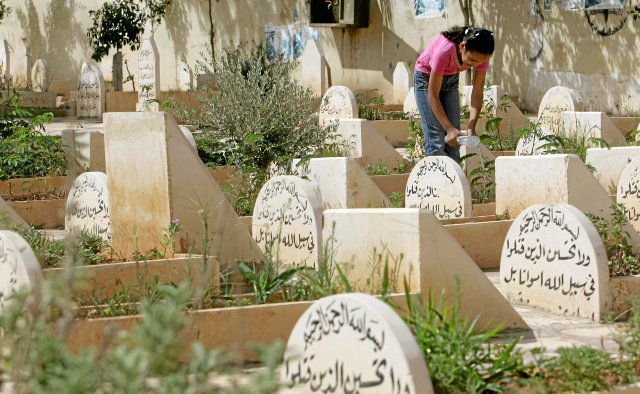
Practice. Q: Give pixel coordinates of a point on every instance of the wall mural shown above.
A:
(290, 40)
(428, 8)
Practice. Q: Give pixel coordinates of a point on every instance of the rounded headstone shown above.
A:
(353, 343)
(554, 259)
(19, 267)
(555, 101)
(437, 183)
(88, 206)
(534, 143)
(628, 192)
(338, 102)
(287, 217)
(91, 92)
(40, 76)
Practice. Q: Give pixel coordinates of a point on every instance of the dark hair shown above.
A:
(476, 39)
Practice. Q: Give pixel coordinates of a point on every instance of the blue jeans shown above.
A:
(433, 131)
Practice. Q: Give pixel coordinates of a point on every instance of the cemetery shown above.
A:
(233, 196)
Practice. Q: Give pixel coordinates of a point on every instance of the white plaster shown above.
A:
(314, 71)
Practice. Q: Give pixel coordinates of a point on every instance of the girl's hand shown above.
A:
(451, 136)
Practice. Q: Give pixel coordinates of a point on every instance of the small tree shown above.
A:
(120, 23)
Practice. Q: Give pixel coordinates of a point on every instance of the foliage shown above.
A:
(370, 105)
(482, 181)
(396, 199)
(378, 169)
(415, 143)
(460, 358)
(4, 9)
(121, 22)
(24, 151)
(622, 260)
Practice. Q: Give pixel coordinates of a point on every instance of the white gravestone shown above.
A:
(535, 143)
(629, 192)
(338, 103)
(553, 258)
(40, 76)
(148, 73)
(21, 64)
(88, 206)
(19, 267)
(401, 82)
(555, 101)
(91, 93)
(437, 183)
(353, 343)
(314, 68)
(410, 104)
(5, 60)
(288, 215)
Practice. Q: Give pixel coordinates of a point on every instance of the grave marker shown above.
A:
(148, 73)
(592, 124)
(609, 163)
(40, 76)
(338, 103)
(88, 206)
(19, 267)
(314, 68)
(5, 59)
(21, 64)
(402, 78)
(628, 192)
(438, 184)
(91, 93)
(535, 143)
(410, 104)
(553, 258)
(553, 103)
(353, 343)
(287, 216)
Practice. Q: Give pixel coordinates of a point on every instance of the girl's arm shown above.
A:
(477, 97)
(435, 83)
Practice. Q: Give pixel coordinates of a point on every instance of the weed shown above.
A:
(378, 169)
(370, 105)
(396, 199)
(415, 142)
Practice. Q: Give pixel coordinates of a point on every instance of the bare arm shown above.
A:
(477, 98)
(435, 83)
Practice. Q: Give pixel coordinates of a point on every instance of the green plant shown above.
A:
(378, 169)
(396, 199)
(622, 260)
(370, 105)
(415, 142)
(460, 358)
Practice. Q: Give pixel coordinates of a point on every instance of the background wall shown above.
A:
(596, 53)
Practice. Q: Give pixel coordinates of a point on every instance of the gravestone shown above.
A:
(609, 163)
(496, 104)
(19, 267)
(91, 93)
(88, 206)
(40, 76)
(337, 103)
(148, 73)
(353, 343)
(5, 60)
(402, 79)
(315, 74)
(438, 184)
(363, 141)
(555, 101)
(628, 192)
(287, 219)
(535, 143)
(21, 64)
(84, 150)
(341, 182)
(553, 258)
(592, 124)
(410, 105)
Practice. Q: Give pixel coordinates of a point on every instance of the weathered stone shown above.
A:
(609, 163)
(402, 78)
(315, 73)
(590, 125)
(364, 142)
(148, 74)
(19, 268)
(410, 105)
(338, 102)
(628, 192)
(91, 93)
(88, 206)
(555, 101)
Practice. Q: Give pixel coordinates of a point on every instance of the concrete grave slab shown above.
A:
(498, 104)
(555, 101)
(148, 73)
(338, 102)
(19, 268)
(366, 143)
(84, 150)
(342, 182)
(592, 124)
(287, 220)
(91, 93)
(553, 258)
(168, 181)
(609, 163)
(40, 77)
(628, 192)
(87, 206)
(419, 249)
(410, 104)
(378, 353)
(480, 153)
(314, 68)
(535, 143)
(402, 81)
(437, 183)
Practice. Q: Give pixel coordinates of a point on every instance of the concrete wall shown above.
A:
(536, 48)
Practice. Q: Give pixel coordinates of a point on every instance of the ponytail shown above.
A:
(476, 39)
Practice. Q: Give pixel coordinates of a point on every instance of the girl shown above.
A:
(436, 86)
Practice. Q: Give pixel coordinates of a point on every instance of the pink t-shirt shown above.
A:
(441, 58)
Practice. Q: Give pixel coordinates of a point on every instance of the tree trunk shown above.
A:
(116, 70)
